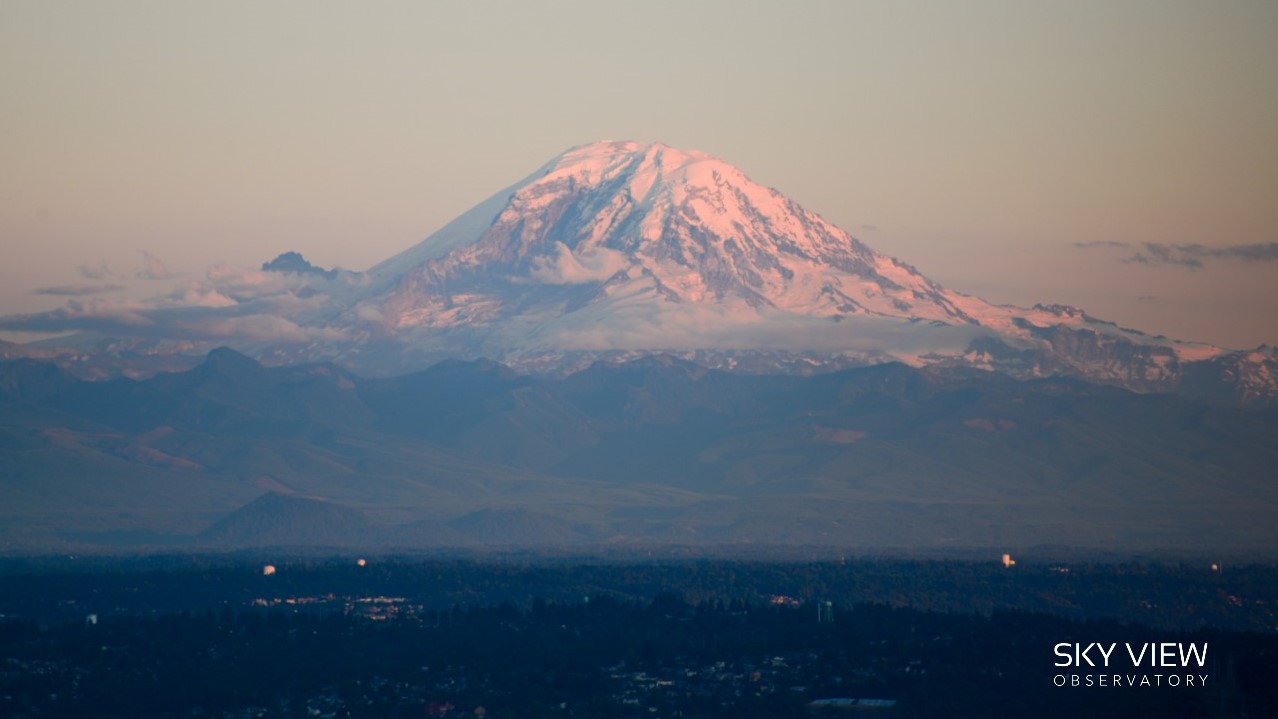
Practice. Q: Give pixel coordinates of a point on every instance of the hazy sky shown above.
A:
(1122, 157)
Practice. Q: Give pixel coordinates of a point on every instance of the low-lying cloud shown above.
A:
(230, 323)
(126, 317)
(566, 267)
(229, 304)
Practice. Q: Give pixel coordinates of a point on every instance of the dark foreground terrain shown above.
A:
(218, 637)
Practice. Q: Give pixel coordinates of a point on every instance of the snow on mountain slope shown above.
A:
(683, 226)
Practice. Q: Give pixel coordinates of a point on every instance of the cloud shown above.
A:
(229, 305)
(192, 323)
(127, 317)
(251, 328)
(1160, 254)
(1101, 243)
(687, 326)
(1256, 252)
(1191, 256)
(98, 271)
(565, 267)
(153, 268)
(196, 294)
(76, 290)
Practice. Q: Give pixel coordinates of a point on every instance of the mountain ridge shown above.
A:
(868, 457)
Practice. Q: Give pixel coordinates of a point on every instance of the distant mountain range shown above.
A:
(616, 250)
(652, 452)
(635, 346)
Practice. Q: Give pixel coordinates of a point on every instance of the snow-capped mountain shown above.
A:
(615, 249)
(678, 227)
(619, 249)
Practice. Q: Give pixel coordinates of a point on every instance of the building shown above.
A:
(825, 612)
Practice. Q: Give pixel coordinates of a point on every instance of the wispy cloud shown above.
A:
(1191, 256)
(76, 290)
(153, 268)
(95, 271)
(1155, 253)
(1101, 243)
(1257, 252)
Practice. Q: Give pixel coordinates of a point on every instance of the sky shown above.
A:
(1121, 157)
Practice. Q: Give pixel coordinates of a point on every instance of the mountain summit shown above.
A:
(669, 226)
